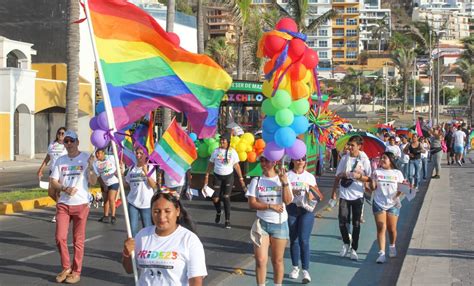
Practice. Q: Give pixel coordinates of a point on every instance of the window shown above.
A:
(324, 64)
(12, 61)
(351, 33)
(338, 44)
(323, 55)
(352, 44)
(338, 33)
(351, 55)
(352, 10)
(310, 43)
(339, 22)
(323, 33)
(351, 22)
(323, 44)
(339, 55)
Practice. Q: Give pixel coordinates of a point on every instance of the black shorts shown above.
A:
(113, 187)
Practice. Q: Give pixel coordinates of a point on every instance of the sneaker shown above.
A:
(218, 218)
(354, 255)
(306, 277)
(104, 219)
(392, 252)
(381, 259)
(113, 220)
(344, 250)
(294, 273)
(61, 277)
(73, 278)
(53, 220)
(227, 225)
(459, 163)
(435, 177)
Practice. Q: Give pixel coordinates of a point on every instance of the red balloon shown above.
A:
(297, 71)
(297, 49)
(274, 44)
(287, 24)
(310, 59)
(174, 38)
(269, 65)
(267, 51)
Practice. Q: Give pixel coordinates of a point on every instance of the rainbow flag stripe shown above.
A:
(175, 152)
(143, 69)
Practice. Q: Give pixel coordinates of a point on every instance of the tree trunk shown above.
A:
(200, 27)
(72, 89)
(170, 15)
(405, 94)
(380, 44)
(240, 54)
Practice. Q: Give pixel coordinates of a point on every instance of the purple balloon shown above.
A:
(297, 150)
(102, 121)
(272, 152)
(93, 123)
(100, 138)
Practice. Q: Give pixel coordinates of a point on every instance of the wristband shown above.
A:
(284, 185)
(125, 255)
(241, 178)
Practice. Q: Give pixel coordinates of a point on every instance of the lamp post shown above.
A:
(385, 72)
(431, 80)
(438, 34)
(414, 91)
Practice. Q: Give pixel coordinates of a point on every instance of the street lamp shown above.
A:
(438, 35)
(385, 72)
(414, 91)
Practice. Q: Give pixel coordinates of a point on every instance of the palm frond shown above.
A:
(316, 23)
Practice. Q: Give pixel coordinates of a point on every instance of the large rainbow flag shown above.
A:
(175, 152)
(143, 69)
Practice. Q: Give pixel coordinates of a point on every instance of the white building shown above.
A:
(453, 23)
(370, 13)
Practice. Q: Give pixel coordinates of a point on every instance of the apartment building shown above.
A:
(219, 22)
(345, 32)
(371, 15)
(450, 20)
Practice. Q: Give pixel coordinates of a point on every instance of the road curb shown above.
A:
(26, 205)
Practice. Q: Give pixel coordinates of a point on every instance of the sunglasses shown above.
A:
(60, 133)
(69, 141)
(300, 160)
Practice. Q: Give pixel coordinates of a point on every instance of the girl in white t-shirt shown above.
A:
(168, 253)
(105, 167)
(386, 204)
(142, 187)
(223, 161)
(268, 195)
(55, 150)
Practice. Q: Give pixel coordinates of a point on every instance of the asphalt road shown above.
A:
(19, 178)
(28, 255)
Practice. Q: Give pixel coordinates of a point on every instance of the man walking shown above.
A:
(70, 177)
(460, 139)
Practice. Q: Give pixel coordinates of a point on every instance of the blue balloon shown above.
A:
(100, 107)
(268, 136)
(193, 136)
(285, 137)
(300, 124)
(269, 124)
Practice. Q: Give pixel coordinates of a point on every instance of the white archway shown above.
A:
(17, 59)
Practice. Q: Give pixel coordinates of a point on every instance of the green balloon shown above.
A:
(282, 99)
(300, 107)
(268, 108)
(202, 150)
(209, 141)
(284, 117)
(213, 146)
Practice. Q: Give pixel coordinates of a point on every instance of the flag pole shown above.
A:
(110, 119)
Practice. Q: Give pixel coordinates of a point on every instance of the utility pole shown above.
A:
(414, 91)
(385, 72)
(437, 83)
(431, 80)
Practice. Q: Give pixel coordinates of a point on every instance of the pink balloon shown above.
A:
(297, 150)
(174, 38)
(272, 152)
(102, 121)
(100, 138)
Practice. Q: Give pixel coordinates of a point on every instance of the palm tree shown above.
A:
(465, 68)
(200, 27)
(170, 16)
(403, 58)
(241, 11)
(222, 53)
(380, 31)
(73, 44)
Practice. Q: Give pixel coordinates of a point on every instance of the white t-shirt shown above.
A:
(459, 137)
(268, 191)
(220, 167)
(404, 158)
(395, 149)
(300, 184)
(106, 170)
(73, 172)
(140, 191)
(425, 146)
(387, 185)
(55, 150)
(356, 189)
(172, 183)
(169, 260)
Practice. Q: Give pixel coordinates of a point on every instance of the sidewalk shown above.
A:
(35, 162)
(441, 250)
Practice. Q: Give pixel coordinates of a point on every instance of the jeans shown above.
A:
(424, 167)
(437, 161)
(78, 215)
(300, 222)
(404, 169)
(415, 172)
(134, 213)
(345, 209)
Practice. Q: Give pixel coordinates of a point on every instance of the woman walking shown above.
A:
(56, 149)
(386, 204)
(301, 219)
(268, 195)
(167, 252)
(424, 157)
(223, 161)
(436, 150)
(414, 150)
(104, 167)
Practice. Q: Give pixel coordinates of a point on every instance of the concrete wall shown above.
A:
(5, 136)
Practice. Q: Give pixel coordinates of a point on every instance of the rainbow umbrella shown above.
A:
(404, 131)
(373, 146)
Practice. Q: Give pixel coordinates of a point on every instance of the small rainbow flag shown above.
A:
(175, 152)
(144, 69)
(128, 155)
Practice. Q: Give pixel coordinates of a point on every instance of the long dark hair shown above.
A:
(392, 159)
(184, 219)
(57, 131)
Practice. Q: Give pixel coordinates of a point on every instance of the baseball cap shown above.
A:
(71, 134)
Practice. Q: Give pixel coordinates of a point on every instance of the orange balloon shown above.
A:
(251, 157)
(259, 144)
(299, 90)
(269, 65)
(298, 72)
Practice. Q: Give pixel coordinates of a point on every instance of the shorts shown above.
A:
(392, 211)
(458, 149)
(275, 230)
(114, 187)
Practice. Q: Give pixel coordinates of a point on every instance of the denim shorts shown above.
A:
(392, 211)
(458, 149)
(275, 230)
(114, 187)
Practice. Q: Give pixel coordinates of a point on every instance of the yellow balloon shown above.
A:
(241, 147)
(308, 77)
(248, 137)
(267, 88)
(242, 156)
